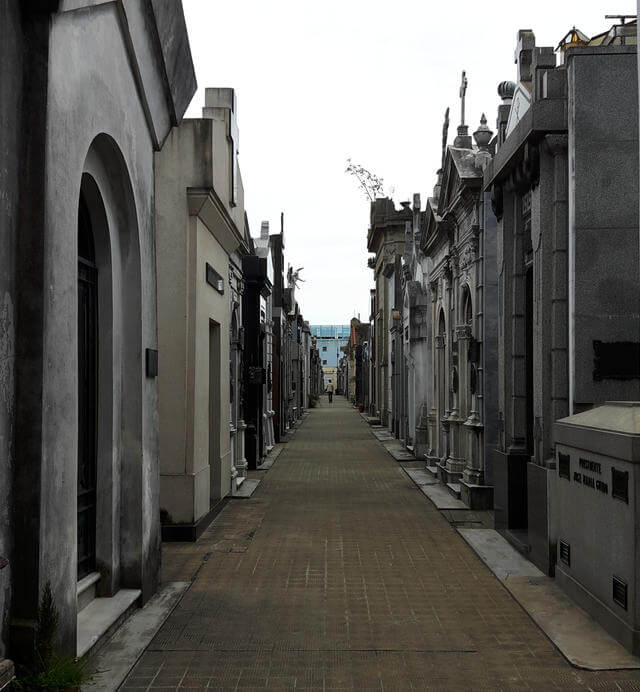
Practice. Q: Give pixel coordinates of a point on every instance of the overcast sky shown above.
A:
(320, 82)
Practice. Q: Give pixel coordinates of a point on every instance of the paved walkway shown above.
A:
(340, 574)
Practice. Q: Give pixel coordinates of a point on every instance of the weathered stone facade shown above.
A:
(386, 238)
(562, 180)
(89, 92)
(462, 326)
(200, 227)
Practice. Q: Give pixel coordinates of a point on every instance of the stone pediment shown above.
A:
(519, 106)
(209, 208)
(432, 219)
(459, 170)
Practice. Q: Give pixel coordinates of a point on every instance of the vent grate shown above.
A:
(565, 553)
(620, 592)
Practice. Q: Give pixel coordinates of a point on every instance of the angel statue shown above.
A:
(293, 277)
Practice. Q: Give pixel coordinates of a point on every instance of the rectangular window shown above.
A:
(620, 485)
(324, 362)
(324, 348)
(564, 466)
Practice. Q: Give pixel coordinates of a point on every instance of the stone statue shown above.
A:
(445, 134)
(293, 277)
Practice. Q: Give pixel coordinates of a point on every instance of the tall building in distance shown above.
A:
(330, 339)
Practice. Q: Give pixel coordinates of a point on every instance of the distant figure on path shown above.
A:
(330, 392)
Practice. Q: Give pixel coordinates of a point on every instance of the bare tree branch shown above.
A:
(371, 184)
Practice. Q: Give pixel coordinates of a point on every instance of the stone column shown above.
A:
(472, 472)
(455, 460)
(432, 360)
(241, 462)
(439, 399)
(517, 364)
(557, 147)
(232, 445)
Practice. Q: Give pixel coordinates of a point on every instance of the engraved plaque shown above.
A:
(214, 279)
(616, 360)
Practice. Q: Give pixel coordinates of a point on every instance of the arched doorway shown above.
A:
(468, 366)
(87, 391)
(112, 462)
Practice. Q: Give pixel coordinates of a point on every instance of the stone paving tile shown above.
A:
(339, 574)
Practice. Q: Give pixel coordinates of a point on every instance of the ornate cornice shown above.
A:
(463, 332)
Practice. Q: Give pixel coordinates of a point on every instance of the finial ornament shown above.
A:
(463, 94)
(483, 134)
(506, 91)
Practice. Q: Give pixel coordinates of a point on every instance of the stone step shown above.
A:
(441, 497)
(454, 489)
(247, 488)
(100, 618)
(433, 470)
(86, 589)
(118, 656)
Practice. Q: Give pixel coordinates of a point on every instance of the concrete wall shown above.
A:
(174, 302)
(603, 214)
(489, 338)
(211, 306)
(176, 256)
(10, 123)
(88, 119)
(191, 232)
(98, 65)
(601, 531)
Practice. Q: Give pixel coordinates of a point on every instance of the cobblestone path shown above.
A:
(339, 574)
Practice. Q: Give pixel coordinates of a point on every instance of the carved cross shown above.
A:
(463, 93)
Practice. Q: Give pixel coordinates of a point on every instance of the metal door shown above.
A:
(87, 398)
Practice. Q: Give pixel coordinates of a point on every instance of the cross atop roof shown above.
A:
(463, 94)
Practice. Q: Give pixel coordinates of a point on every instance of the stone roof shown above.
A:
(465, 162)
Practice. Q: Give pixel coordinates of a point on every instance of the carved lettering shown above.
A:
(592, 466)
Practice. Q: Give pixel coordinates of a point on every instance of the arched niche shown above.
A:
(466, 306)
(106, 199)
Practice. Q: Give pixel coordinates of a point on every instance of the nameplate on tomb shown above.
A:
(616, 360)
(214, 279)
(590, 481)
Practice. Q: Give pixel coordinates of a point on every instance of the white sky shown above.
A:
(319, 82)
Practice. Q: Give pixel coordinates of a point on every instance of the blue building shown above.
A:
(330, 338)
(330, 351)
